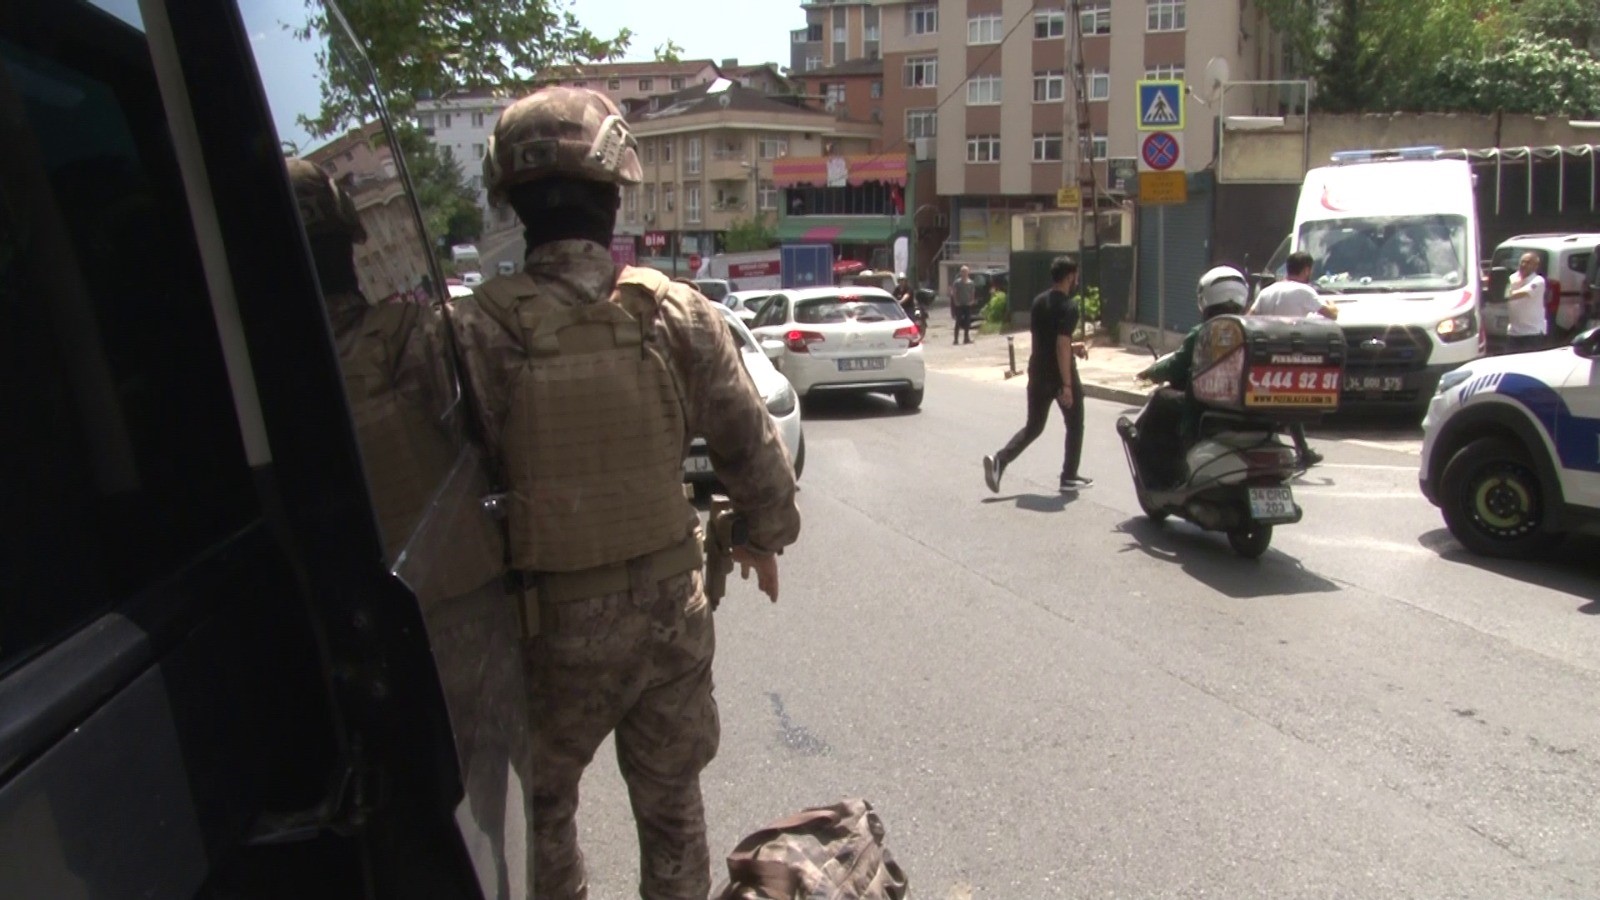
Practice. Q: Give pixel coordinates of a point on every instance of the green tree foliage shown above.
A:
(745, 235)
(427, 48)
(1576, 22)
(1524, 75)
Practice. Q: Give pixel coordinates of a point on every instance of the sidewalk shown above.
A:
(1108, 373)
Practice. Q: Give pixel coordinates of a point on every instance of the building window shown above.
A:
(1099, 85)
(614, 84)
(838, 34)
(666, 150)
(983, 148)
(677, 83)
(1098, 148)
(921, 123)
(477, 152)
(649, 148)
(650, 199)
(1095, 18)
(1165, 15)
(983, 90)
(814, 33)
(1049, 24)
(871, 34)
(1172, 73)
(691, 203)
(669, 195)
(833, 96)
(984, 30)
(630, 203)
(877, 90)
(772, 148)
(647, 84)
(813, 63)
(1049, 87)
(767, 196)
(425, 120)
(477, 120)
(580, 84)
(923, 19)
(444, 120)
(922, 71)
(691, 156)
(1047, 148)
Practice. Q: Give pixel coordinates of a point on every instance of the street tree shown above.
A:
(755, 233)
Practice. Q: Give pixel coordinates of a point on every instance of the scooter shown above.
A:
(1235, 478)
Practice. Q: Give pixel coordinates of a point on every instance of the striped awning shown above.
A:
(836, 229)
(820, 171)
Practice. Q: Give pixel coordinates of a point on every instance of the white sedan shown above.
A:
(745, 304)
(782, 404)
(843, 340)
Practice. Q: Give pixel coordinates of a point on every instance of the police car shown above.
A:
(1511, 448)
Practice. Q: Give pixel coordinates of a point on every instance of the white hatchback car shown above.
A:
(782, 404)
(844, 340)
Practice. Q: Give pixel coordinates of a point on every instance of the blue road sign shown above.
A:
(1160, 105)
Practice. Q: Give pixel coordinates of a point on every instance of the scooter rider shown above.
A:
(1171, 420)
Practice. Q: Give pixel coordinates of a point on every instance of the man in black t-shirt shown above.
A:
(1052, 378)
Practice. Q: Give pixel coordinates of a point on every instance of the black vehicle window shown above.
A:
(121, 458)
(382, 279)
(1578, 262)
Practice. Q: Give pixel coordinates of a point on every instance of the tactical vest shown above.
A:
(594, 429)
(405, 451)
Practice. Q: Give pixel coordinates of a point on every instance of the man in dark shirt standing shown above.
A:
(1052, 378)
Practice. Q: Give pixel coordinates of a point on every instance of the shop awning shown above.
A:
(837, 229)
(837, 171)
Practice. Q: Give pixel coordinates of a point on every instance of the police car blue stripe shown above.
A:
(1577, 438)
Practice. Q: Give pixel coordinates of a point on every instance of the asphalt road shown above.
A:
(1048, 696)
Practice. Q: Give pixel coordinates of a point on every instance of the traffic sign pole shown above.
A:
(1161, 273)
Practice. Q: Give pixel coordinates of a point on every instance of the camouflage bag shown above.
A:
(822, 853)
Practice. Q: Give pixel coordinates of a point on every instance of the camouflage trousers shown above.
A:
(637, 663)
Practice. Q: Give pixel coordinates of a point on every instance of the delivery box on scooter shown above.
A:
(1285, 368)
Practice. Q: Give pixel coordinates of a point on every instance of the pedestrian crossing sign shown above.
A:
(1160, 105)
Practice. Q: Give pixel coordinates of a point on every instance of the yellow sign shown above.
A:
(1069, 197)
(1163, 188)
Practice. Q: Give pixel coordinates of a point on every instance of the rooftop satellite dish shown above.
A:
(1216, 76)
(724, 100)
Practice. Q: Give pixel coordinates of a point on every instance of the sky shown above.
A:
(753, 31)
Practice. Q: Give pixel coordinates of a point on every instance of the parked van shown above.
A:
(1394, 237)
(1564, 261)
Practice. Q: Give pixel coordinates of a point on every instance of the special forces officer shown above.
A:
(590, 380)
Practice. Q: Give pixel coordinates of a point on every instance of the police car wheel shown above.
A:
(1494, 503)
(910, 399)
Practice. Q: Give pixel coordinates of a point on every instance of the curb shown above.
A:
(1114, 394)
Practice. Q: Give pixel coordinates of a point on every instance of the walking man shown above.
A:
(1525, 293)
(1052, 378)
(589, 380)
(963, 303)
(1295, 298)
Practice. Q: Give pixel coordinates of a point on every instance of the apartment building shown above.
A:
(460, 124)
(987, 83)
(836, 31)
(710, 155)
(626, 82)
(851, 90)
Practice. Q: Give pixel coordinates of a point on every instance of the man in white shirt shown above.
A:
(1525, 303)
(1295, 299)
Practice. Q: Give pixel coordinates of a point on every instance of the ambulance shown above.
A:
(1393, 235)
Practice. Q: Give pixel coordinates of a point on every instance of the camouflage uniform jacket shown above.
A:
(721, 401)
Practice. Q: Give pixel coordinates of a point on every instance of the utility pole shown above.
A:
(1078, 155)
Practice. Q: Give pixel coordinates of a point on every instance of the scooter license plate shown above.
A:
(1270, 503)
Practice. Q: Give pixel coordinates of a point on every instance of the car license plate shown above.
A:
(1373, 383)
(697, 465)
(862, 364)
(1270, 503)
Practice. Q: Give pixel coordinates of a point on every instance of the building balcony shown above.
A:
(728, 169)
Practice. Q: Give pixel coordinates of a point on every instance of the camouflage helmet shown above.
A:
(560, 131)
(324, 206)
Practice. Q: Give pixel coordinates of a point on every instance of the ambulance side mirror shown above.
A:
(1587, 344)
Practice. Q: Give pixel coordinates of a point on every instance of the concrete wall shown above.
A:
(1275, 156)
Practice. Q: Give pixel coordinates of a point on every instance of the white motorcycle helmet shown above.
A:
(1220, 286)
